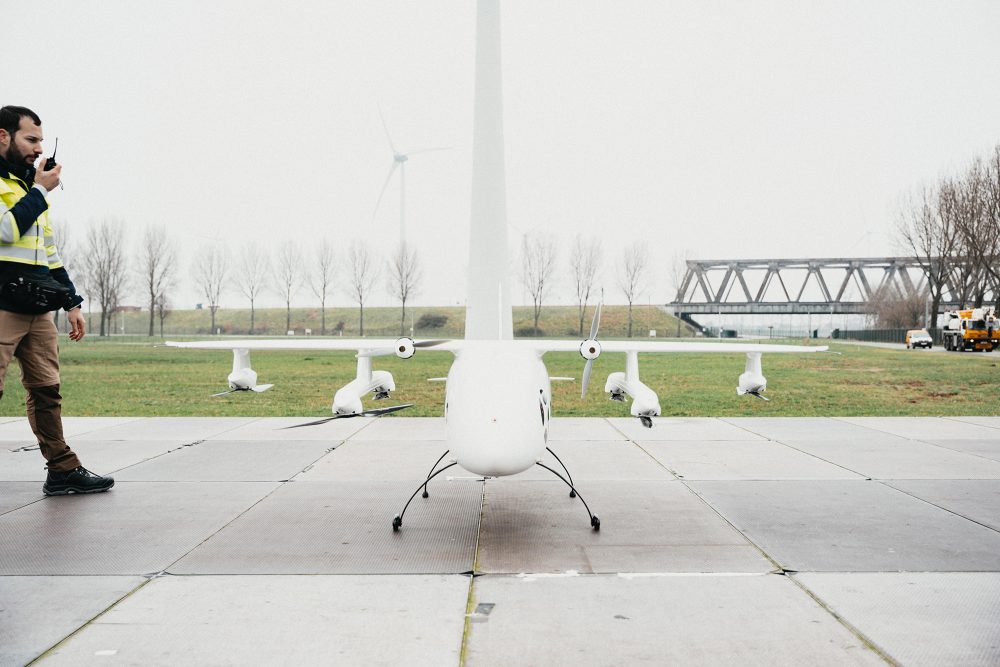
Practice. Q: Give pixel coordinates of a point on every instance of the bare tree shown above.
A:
(211, 272)
(979, 224)
(321, 279)
(287, 276)
(106, 271)
(162, 309)
(364, 274)
(632, 274)
(157, 266)
(252, 272)
(889, 309)
(538, 264)
(404, 278)
(584, 261)
(926, 226)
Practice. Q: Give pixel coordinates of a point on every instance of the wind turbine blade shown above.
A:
(428, 150)
(586, 377)
(385, 127)
(596, 323)
(385, 185)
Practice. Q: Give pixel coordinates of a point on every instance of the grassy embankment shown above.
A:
(555, 321)
(135, 379)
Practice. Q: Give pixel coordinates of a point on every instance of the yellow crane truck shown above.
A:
(973, 329)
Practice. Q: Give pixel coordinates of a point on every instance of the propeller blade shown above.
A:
(429, 343)
(428, 150)
(261, 388)
(225, 393)
(758, 395)
(385, 185)
(586, 377)
(374, 412)
(318, 421)
(378, 412)
(596, 323)
(385, 127)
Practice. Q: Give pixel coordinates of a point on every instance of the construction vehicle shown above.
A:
(973, 329)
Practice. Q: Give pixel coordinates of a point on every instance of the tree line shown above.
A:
(952, 227)
(107, 272)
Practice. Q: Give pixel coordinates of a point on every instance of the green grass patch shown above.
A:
(112, 378)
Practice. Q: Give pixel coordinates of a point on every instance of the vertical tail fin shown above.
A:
(488, 280)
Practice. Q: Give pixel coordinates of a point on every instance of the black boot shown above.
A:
(78, 480)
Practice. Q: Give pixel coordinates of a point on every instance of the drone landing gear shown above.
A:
(397, 521)
(595, 522)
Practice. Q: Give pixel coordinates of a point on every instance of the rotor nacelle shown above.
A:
(752, 381)
(590, 349)
(405, 348)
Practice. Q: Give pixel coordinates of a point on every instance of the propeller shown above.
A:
(386, 351)
(759, 395)
(256, 389)
(374, 412)
(590, 362)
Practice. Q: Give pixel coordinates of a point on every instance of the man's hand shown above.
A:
(48, 179)
(78, 327)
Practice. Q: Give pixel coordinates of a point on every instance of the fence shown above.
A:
(881, 335)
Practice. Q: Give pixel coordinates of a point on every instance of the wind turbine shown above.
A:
(399, 160)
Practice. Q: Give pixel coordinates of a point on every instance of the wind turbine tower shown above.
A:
(399, 160)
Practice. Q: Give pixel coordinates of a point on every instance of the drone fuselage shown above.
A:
(497, 408)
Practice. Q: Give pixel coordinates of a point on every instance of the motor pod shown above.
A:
(590, 349)
(752, 381)
(405, 348)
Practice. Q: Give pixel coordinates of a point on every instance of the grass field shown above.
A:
(112, 378)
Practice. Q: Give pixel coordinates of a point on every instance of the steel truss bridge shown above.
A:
(803, 286)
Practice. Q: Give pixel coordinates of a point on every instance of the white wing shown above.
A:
(372, 346)
(671, 346)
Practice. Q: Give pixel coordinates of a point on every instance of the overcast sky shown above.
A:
(716, 129)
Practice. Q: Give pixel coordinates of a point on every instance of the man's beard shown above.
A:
(13, 156)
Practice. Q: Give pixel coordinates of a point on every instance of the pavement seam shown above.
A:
(886, 483)
(87, 623)
(471, 599)
(862, 637)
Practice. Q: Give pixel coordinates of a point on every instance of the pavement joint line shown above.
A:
(958, 451)
(850, 627)
(471, 599)
(961, 420)
(267, 495)
(872, 428)
(309, 467)
(932, 504)
(865, 476)
(86, 623)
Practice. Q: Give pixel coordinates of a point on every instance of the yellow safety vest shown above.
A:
(37, 246)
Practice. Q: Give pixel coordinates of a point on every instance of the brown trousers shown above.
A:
(33, 339)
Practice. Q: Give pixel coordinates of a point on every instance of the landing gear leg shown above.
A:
(572, 491)
(595, 523)
(397, 520)
(425, 494)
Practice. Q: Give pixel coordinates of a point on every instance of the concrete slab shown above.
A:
(101, 457)
(187, 429)
(676, 428)
(588, 461)
(229, 461)
(919, 428)
(801, 428)
(677, 620)
(365, 620)
(978, 500)
(582, 428)
(900, 459)
(403, 428)
(14, 495)
(733, 459)
(991, 422)
(276, 428)
(645, 527)
(385, 460)
(346, 528)
(841, 526)
(36, 613)
(136, 528)
(17, 429)
(989, 449)
(919, 618)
